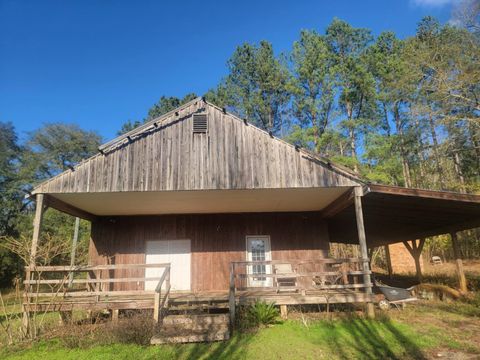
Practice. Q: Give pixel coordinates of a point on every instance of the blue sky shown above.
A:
(100, 63)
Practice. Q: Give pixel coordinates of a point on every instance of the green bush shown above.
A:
(261, 313)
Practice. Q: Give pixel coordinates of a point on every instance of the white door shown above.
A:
(258, 249)
(175, 252)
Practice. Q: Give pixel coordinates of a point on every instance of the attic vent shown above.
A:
(200, 123)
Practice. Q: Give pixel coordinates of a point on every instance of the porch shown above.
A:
(284, 282)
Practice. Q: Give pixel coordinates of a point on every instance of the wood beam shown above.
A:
(388, 260)
(362, 240)
(339, 204)
(462, 280)
(37, 225)
(69, 209)
(74, 249)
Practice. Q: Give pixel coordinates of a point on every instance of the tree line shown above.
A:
(396, 111)
(401, 112)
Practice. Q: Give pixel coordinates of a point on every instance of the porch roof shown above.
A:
(391, 214)
(90, 205)
(394, 214)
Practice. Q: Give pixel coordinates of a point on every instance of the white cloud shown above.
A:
(431, 3)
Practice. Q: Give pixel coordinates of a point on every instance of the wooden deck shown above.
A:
(211, 299)
(320, 282)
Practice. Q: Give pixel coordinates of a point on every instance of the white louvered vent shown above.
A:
(200, 123)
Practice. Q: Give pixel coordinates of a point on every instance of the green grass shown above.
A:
(417, 332)
(339, 339)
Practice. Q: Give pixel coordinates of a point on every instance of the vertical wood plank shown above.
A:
(37, 225)
(362, 239)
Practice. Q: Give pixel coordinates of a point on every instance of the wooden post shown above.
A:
(284, 311)
(362, 240)
(37, 225)
(115, 313)
(66, 317)
(462, 281)
(167, 285)
(231, 298)
(156, 307)
(74, 250)
(416, 251)
(389, 261)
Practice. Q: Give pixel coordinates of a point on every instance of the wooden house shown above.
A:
(200, 206)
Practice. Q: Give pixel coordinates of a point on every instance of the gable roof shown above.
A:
(163, 154)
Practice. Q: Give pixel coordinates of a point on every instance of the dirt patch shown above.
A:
(449, 268)
(451, 355)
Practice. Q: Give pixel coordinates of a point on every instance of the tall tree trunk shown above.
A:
(403, 153)
(353, 147)
(421, 153)
(385, 119)
(316, 133)
(352, 136)
(436, 155)
(474, 133)
(458, 171)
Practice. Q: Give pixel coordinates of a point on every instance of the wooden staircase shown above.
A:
(188, 328)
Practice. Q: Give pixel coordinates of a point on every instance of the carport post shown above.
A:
(362, 240)
(462, 281)
(389, 261)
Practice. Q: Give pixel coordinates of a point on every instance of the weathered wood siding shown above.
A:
(216, 240)
(232, 155)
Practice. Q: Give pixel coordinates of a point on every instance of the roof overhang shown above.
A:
(393, 214)
(197, 202)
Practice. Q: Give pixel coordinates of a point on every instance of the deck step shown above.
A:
(193, 328)
(191, 338)
(185, 304)
(201, 319)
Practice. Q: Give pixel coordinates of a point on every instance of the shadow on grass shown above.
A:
(340, 339)
(234, 348)
(370, 339)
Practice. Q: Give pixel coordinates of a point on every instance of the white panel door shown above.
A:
(258, 249)
(175, 252)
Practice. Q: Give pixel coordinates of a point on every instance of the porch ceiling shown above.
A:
(205, 201)
(394, 214)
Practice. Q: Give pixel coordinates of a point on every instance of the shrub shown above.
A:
(134, 329)
(261, 313)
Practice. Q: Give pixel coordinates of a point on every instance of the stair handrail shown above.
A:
(159, 302)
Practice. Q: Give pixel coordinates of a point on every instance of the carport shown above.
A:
(394, 214)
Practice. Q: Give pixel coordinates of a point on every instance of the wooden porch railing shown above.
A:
(159, 303)
(54, 284)
(298, 276)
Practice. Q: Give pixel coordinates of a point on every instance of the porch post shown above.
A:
(389, 261)
(231, 296)
(37, 224)
(74, 250)
(362, 240)
(462, 281)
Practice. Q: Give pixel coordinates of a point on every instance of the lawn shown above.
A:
(423, 331)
